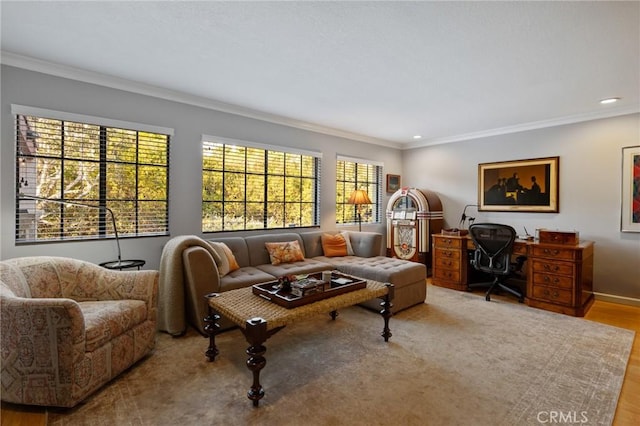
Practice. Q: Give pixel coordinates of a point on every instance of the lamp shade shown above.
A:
(359, 196)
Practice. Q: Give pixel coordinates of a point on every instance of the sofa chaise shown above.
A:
(190, 268)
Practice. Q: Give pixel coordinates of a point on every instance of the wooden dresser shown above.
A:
(449, 261)
(559, 277)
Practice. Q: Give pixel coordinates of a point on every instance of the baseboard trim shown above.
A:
(617, 299)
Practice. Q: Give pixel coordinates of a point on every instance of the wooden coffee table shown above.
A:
(260, 319)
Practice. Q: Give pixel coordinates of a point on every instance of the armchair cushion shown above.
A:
(106, 320)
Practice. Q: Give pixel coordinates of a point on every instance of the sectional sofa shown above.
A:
(191, 267)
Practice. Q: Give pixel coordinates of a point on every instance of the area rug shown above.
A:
(456, 360)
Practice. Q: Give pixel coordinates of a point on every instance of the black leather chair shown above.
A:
(494, 247)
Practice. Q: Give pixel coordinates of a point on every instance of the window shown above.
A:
(74, 172)
(249, 186)
(352, 174)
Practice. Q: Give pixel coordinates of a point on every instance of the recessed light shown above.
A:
(609, 101)
(417, 137)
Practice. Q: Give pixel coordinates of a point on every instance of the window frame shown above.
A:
(347, 214)
(99, 205)
(241, 170)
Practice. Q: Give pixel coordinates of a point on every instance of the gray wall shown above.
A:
(590, 188)
(34, 89)
(590, 172)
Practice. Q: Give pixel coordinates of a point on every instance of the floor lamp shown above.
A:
(114, 264)
(359, 197)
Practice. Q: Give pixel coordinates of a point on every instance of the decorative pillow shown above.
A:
(228, 261)
(347, 239)
(284, 252)
(214, 253)
(334, 245)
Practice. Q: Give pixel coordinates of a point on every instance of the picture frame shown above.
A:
(393, 183)
(630, 205)
(530, 185)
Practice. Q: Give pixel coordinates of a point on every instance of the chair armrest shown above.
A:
(56, 321)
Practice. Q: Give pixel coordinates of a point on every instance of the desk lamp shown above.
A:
(465, 217)
(359, 197)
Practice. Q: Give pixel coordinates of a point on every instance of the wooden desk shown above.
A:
(559, 277)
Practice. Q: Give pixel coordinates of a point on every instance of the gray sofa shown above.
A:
(188, 272)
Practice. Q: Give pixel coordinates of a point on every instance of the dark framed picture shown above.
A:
(630, 214)
(519, 186)
(393, 183)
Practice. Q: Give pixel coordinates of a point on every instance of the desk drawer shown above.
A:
(560, 268)
(554, 252)
(448, 262)
(447, 274)
(556, 281)
(520, 249)
(447, 254)
(553, 295)
(446, 242)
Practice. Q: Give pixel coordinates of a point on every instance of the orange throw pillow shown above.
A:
(334, 245)
(285, 252)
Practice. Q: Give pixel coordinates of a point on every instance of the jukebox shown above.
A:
(412, 216)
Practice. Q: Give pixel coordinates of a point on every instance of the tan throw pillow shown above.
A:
(334, 245)
(228, 261)
(284, 252)
(214, 253)
(347, 239)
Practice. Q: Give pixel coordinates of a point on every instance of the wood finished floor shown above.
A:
(627, 411)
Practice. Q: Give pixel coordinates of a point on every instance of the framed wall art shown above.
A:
(630, 214)
(393, 183)
(519, 186)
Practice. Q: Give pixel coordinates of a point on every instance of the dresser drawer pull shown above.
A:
(547, 279)
(447, 253)
(547, 267)
(552, 294)
(554, 252)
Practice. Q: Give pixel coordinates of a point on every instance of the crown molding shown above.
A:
(534, 125)
(58, 70)
(64, 71)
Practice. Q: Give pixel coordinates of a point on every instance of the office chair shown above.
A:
(494, 246)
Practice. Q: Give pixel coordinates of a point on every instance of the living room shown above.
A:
(588, 141)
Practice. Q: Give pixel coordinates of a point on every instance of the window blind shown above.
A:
(71, 174)
(357, 173)
(248, 186)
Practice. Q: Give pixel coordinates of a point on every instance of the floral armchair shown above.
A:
(70, 326)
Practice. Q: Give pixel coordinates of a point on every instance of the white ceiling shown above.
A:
(379, 71)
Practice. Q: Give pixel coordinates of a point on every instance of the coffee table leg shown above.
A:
(334, 314)
(212, 328)
(386, 311)
(256, 334)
